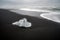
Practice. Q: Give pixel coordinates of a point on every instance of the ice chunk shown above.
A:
(23, 23)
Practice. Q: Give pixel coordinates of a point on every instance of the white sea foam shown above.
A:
(53, 16)
(36, 10)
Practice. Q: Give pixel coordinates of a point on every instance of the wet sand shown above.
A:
(41, 28)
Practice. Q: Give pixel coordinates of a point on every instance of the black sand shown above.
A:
(41, 28)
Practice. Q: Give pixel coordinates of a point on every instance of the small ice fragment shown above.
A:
(23, 23)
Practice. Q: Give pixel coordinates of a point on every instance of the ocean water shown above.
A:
(29, 4)
(52, 7)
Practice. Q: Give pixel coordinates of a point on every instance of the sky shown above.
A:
(28, 3)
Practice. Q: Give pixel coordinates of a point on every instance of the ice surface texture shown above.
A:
(23, 23)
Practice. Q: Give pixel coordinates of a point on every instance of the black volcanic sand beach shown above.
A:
(41, 28)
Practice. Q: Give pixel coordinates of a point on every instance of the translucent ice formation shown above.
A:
(22, 23)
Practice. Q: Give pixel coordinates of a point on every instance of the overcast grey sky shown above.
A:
(28, 3)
